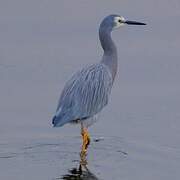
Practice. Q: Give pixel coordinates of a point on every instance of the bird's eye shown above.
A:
(119, 20)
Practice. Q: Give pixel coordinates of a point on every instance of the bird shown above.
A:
(87, 92)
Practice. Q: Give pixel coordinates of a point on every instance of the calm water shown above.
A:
(42, 43)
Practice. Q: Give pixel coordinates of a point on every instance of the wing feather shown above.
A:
(84, 95)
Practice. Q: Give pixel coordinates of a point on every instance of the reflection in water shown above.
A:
(81, 173)
(77, 174)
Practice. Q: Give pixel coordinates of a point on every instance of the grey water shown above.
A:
(42, 43)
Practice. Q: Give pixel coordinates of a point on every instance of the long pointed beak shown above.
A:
(134, 23)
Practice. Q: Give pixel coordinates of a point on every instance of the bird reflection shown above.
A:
(80, 173)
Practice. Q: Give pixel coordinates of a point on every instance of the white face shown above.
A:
(118, 21)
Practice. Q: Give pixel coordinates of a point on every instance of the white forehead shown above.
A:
(117, 18)
(117, 24)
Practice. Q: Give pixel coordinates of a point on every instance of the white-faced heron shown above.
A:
(87, 92)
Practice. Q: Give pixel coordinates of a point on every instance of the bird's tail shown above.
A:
(57, 121)
(54, 120)
(60, 120)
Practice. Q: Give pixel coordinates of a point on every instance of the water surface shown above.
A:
(42, 44)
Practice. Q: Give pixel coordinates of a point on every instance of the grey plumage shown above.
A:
(84, 95)
(87, 92)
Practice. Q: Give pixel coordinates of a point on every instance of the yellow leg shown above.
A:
(85, 139)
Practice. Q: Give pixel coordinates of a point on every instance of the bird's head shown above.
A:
(115, 21)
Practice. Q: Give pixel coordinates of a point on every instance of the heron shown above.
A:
(88, 90)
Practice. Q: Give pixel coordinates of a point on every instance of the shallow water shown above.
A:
(42, 44)
(109, 158)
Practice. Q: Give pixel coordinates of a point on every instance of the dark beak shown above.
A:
(134, 23)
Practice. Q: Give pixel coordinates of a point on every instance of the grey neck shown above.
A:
(110, 51)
